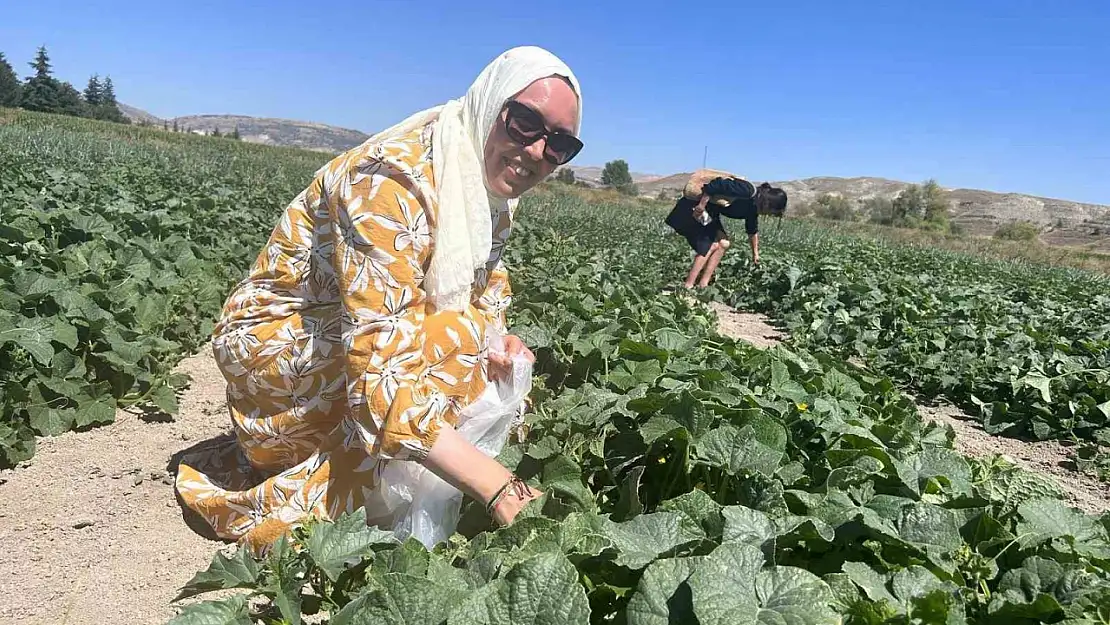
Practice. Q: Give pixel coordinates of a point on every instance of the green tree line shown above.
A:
(41, 91)
(917, 206)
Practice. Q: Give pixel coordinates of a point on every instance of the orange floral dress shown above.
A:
(336, 363)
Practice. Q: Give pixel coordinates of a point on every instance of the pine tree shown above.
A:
(70, 102)
(108, 108)
(93, 91)
(175, 128)
(10, 89)
(41, 91)
(41, 64)
(215, 132)
(235, 133)
(108, 92)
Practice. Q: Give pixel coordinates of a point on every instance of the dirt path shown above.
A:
(751, 327)
(1048, 458)
(91, 529)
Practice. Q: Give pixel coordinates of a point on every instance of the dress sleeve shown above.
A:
(381, 238)
(496, 299)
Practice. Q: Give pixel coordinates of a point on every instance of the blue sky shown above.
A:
(1003, 95)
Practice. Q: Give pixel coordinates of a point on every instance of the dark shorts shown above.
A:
(700, 237)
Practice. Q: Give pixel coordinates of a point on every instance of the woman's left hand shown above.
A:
(501, 364)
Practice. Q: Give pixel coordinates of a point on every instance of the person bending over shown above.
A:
(699, 221)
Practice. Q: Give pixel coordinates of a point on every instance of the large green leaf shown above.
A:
(631, 373)
(1039, 588)
(98, 412)
(335, 546)
(672, 340)
(941, 466)
(401, 599)
(738, 450)
(731, 587)
(543, 590)
(562, 477)
(700, 507)
(33, 335)
(746, 526)
(1010, 486)
(662, 597)
(873, 583)
(230, 611)
(931, 527)
(649, 536)
(49, 421)
(239, 570)
(1047, 519)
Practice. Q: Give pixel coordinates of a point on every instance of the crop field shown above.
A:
(688, 477)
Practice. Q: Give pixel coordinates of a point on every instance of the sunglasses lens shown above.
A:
(562, 148)
(525, 127)
(523, 124)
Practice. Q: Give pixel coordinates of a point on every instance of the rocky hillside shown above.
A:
(980, 212)
(1062, 222)
(284, 132)
(139, 115)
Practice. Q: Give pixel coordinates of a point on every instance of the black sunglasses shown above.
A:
(525, 126)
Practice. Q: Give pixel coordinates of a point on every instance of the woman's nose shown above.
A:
(535, 151)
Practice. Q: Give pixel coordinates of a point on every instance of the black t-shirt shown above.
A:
(743, 207)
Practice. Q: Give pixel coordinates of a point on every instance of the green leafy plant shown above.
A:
(692, 478)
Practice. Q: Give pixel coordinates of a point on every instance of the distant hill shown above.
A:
(1062, 222)
(269, 131)
(285, 132)
(139, 115)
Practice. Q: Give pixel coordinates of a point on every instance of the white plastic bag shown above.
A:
(415, 501)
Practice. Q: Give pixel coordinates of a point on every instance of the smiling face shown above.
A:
(511, 168)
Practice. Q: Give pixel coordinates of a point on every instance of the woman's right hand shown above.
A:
(510, 506)
(459, 463)
(501, 364)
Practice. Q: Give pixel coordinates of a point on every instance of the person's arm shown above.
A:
(751, 226)
(699, 209)
(395, 410)
(477, 475)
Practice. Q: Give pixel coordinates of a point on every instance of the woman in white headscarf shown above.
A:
(360, 332)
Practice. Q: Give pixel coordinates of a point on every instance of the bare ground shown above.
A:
(751, 327)
(91, 528)
(1048, 458)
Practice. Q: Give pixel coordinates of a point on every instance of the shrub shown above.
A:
(1017, 231)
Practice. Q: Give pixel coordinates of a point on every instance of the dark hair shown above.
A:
(770, 200)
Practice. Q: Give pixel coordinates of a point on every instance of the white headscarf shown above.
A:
(464, 223)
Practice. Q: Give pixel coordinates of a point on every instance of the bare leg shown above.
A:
(695, 271)
(714, 259)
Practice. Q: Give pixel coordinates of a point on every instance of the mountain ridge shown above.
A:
(980, 212)
(1062, 222)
